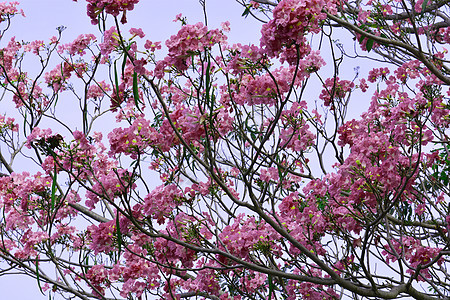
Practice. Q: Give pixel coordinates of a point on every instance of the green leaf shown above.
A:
(99, 23)
(119, 236)
(38, 277)
(136, 91)
(56, 100)
(86, 269)
(207, 83)
(369, 45)
(25, 119)
(444, 178)
(280, 171)
(361, 39)
(246, 11)
(124, 62)
(53, 195)
(424, 5)
(116, 80)
(271, 287)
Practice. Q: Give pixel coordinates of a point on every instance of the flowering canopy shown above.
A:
(266, 188)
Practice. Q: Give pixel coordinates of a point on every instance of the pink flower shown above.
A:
(98, 276)
(58, 77)
(137, 32)
(418, 6)
(363, 15)
(34, 46)
(161, 201)
(420, 209)
(334, 88)
(189, 40)
(363, 85)
(292, 20)
(226, 26)
(79, 45)
(99, 90)
(269, 174)
(139, 66)
(112, 7)
(8, 123)
(37, 133)
(178, 17)
(9, 9)
(110, 41)
(254, 4)
(152, 46)
(102, 237)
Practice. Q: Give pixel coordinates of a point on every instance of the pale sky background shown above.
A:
(155, 18)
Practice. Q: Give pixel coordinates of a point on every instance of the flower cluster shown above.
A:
(8, 10)
(185, 228)
(34, 46)
(308, 290)
(98, 91)
(190, 40)
(265, 89)
(244, 59)
(8, 124)
(246, 235)
(292, 20)
(335, 89)
(414, 252)
(37, 134)
(161, 201)
(9, 55)
(58, 77)
(79, 45)
(141, 134)
(295, 134)
(110, 185)
(112, 7)
(98, 276)
(110, 41)
(103, 237)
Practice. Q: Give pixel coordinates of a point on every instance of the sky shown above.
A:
(154, 17)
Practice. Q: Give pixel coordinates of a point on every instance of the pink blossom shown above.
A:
(113, 7)
(102, 237)
(110, 41)
(226, 26)
(418, 6)
(189, 40)
(161, 201)
(98, 277)
(9, 9)
(363, 85)
(152, 46)
(98, 91)
(137, 32)
(8, 124)
(79, 45)
(58, 77)
(37, 133)
(34, 46)
(335, 89)
(139, 66)
(292, 19)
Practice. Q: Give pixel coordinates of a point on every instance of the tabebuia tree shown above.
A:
(194, 168)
